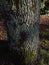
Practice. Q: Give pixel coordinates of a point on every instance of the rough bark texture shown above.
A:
(23, 31)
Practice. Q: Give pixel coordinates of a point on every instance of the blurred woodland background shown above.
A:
(44, 32)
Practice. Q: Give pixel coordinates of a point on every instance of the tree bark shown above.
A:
(23, 31)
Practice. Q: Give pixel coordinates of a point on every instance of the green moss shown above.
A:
(30, 55)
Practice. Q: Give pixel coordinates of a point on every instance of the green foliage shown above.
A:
(42, 62)
(44, 7)
(45, 57)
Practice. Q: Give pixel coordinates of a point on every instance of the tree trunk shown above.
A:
(23, 31)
